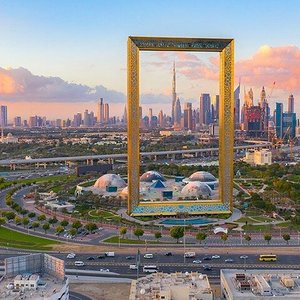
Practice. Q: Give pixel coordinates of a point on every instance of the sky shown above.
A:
(59, 57)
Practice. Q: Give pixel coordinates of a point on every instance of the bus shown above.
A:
(268, 257)
(150, 269)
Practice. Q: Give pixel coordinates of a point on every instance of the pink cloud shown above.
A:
(269, 64)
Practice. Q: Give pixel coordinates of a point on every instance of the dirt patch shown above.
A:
(103, 291)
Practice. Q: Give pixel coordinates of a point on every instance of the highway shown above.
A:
(6, 162)
(120, 265)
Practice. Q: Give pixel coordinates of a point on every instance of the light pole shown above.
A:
(138, 261)
(184, 241)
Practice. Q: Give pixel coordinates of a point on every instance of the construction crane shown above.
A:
(278, 142)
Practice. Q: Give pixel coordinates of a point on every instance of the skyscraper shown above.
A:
(205, 109)
(17, 122)
(215, 104)
(173, 94)
(106, 113)
(278, 119)
(187, 116)
(3, 115)
(291, 104)
(177, 115)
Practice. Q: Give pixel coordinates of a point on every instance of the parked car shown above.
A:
(216, 257)
(91, 258)
(197, 261)
(229, 260)
(168, 254)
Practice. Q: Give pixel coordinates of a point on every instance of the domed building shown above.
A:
(203, 177)
(150, 176)
(110, 180)
(196, 188)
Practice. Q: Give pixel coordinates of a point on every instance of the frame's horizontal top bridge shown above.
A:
(180, 44)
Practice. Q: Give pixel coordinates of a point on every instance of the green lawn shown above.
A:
(14, 239)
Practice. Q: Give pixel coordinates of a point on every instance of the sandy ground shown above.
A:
(103, 291)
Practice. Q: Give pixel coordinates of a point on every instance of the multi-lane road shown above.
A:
(119, 264)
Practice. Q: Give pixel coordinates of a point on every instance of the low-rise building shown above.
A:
(35, 276)
(174, 286)
(258, 157)
(260, 284)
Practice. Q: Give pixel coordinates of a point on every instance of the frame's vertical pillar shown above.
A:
(133, 123)
(226, 124)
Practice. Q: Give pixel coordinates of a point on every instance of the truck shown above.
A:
(110, 254)
(189, 254)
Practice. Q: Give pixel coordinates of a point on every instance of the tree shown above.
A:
(138, 232)
(248, 238)
(35, 225)
(59, 229)
(23, 212)
(201, 236)
(91, 227)
(52, 221)
(64, 223)
(31, 215)
(177, 232)
(73, 231)
(286, 237)
(157, 235)
(76, 225)
(25, 221)
(123, 231)
(18, 220)
(46, 226)
(268, 237)
(2, 220)
(9, 215)
(224, 237)
(41, 218)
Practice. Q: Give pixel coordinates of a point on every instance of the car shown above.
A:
(101, 256)
(148, 255)
(207, 258)
(104, 270)
(168, 254)
(229, 260)
(216, 257)
(207, 268)
(91, 258)
(243, 256)
(71, 255)
(130, 257)
(197, 261)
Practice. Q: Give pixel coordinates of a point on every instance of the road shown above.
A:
(175, 263)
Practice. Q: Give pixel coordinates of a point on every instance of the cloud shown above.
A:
(20, 85)
(269, 64)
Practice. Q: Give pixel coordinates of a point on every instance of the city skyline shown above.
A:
(46, 76)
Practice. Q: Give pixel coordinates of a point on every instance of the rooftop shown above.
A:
(261, 284)
(171, 286)
(48, 286)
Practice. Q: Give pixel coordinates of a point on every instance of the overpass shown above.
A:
(112, 157)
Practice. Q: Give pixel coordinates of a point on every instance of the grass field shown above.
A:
(14, 239)
(115, 239)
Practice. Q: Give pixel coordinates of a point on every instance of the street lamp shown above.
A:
(184, 241)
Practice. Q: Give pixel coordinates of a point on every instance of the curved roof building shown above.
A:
(149, 176)
(196, 189)
(204, 177)
(110, 180)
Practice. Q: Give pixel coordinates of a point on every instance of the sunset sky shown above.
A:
(59, 57)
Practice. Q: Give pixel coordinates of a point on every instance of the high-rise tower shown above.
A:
(173, 94)
(291, 103)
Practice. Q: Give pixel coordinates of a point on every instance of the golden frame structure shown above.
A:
(226, 124)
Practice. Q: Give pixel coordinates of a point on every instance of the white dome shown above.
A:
(202, 176)
(109, 180)
(196, 189)
(149, 176)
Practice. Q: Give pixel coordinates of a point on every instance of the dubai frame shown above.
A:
(138, 207)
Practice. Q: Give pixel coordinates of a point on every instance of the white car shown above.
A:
(104, 270)
(197, 261)
(243, 256)
(71, 255)
(216, 257)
